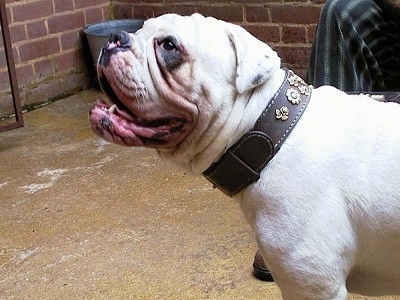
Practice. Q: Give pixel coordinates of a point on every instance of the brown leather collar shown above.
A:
(242, 163)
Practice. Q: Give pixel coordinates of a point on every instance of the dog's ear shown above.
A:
(256, 61)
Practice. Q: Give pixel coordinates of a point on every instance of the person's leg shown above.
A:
(387, 52)
(260, 270)
(342, 54)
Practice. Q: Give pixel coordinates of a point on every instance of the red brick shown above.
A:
(294, 55)
(39, 48)
(6, 107)
(63, 22)
(106, 13)
(9, 14)
(32, 10)
(294, 14)
(36, 29)
(65, 61)
(3, 61)
(14, 53)
(123, 11)
(81, 63)
(173, 2)
(294, 34)
(230, 13)
(69, 40)
(183, 9)
(63, 6)
(258, 1)
(17, 33)
(24, 74)
(145, 12)
(257, 14)
(267, 34)
(4, 80)
(93, 15)
(128, 1)
(43, 68)
(89, 3)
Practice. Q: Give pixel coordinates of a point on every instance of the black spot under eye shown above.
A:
(169, 53)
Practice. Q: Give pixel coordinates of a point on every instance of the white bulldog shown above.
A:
(326, 209)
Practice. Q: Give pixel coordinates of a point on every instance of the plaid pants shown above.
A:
(357, 47)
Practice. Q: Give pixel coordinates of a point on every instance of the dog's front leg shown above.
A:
(309, 248)
(307, 280)
(291, 291)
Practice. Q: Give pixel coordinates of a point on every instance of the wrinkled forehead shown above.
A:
(187, 28)
(196, 34)
(164, 20)
(166, 25)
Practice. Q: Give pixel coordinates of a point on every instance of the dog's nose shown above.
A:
(119, 41)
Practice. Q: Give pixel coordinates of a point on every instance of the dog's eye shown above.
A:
(168, 44)
(169, 52)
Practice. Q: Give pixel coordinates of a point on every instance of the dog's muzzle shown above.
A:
(119, 41)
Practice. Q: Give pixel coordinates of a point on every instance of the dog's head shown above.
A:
(174, 82)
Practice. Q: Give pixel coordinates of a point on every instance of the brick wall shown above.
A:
(47, 44)
(288, 26)
(48, 41)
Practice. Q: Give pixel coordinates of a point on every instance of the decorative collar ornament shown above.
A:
(242, 163)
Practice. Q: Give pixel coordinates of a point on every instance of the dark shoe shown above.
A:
(260, 270)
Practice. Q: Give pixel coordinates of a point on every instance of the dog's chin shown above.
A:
(116, 123)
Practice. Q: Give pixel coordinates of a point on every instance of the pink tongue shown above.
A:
(123, 124)
(142, 131)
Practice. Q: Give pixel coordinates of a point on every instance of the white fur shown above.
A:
(326, 210)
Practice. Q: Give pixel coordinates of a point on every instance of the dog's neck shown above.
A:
(244, 114)
(242, 163)
(255, 102)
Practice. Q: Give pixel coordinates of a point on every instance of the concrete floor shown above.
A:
(84, 219)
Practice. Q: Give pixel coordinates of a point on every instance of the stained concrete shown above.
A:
(84, 219)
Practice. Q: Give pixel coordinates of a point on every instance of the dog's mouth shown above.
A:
(122, 127)
(118, 124)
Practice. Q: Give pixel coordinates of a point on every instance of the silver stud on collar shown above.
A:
(296, 81)
(293, 96)
(282, 113)
(298, 87)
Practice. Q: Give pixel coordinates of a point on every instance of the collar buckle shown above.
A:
(242, 164)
